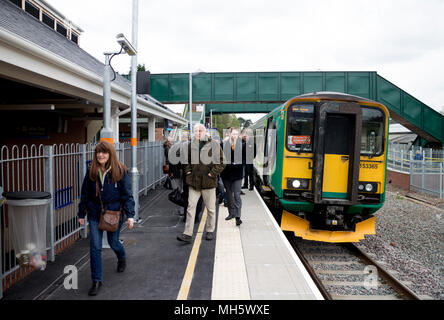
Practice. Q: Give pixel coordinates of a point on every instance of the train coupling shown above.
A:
(334, 216)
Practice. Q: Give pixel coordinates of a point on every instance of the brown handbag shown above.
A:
(109, 219)
(165, 168)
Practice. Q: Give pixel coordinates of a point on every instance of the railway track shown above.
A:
(344, 272)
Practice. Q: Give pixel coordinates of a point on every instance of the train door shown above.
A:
(337, 153)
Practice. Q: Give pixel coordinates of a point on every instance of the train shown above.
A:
(321, 164)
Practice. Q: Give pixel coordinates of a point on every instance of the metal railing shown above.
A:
(60, 170)
(150, 158)
(424, 165)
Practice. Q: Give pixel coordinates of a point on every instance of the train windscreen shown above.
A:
(372, 135)
(300, 128)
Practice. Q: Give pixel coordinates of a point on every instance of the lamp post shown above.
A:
(191, 95)
(134, 171)
(190, 104)
(107, 133)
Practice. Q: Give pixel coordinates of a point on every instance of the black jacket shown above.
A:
(235, 159)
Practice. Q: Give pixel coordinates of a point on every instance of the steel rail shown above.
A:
(397, 285)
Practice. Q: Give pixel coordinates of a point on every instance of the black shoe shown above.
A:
(251, 189)
(185, 238)
(95, 288)
(121, 265)
(238, 221)
(229, 217)
(244, 187)
(242, 193)
(210, 236)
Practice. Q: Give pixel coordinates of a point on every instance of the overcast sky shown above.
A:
(403, 40)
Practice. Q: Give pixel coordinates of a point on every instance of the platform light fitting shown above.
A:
(126, 45)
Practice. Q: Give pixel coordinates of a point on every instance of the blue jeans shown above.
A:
(95, 247)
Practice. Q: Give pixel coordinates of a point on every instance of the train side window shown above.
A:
(372, 135)
(267, 138)
(270, 146)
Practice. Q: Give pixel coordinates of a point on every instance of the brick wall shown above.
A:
(399, 179)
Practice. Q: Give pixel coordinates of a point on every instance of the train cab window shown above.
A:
(372, 135)
(300, 128)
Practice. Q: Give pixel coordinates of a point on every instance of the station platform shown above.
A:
(252, 261)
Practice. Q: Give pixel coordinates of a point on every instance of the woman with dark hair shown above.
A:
(109, 177)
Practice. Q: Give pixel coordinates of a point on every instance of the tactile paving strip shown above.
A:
(230, 280)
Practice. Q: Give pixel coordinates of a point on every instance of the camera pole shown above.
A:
(134, 172)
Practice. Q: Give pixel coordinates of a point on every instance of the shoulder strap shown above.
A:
(98, 193)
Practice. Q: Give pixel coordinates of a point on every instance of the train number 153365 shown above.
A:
(368, 166)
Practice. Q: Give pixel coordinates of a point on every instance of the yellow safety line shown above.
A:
(189, 272)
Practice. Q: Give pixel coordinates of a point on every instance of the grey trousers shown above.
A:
(209, 198)
(234, 201)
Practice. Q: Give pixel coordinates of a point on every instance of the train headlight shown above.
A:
(296, 183)
(367, 186)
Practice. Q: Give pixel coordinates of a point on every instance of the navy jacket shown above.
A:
(114, 196)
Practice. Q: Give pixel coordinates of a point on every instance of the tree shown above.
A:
(241, 122)
(225, 121)
(244, 123)
(234, 121)
(247, 123)
(141, 67)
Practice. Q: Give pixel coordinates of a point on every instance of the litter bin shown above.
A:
(27, 212)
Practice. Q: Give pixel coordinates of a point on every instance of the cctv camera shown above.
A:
(126, 45)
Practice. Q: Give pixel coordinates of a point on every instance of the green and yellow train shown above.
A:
(321, 163)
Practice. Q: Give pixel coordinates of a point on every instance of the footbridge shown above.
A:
(255, 92)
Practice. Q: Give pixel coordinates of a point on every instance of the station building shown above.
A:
(52, 91)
